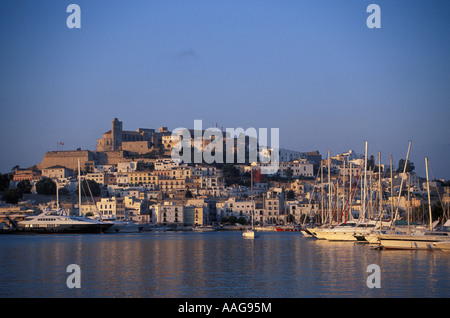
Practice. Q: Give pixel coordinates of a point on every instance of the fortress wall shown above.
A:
(69, 159)
(139, 147)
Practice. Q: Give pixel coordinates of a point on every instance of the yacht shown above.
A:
(414, 241)
(347, 231)
(118, 226)
(204, 228)
(443, 245)
(58, 221)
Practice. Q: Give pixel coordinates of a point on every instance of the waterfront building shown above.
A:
(298, 209)
(113, 207)
(234, 207)
(169, 213)
(88, 209)
(134, 207)
(195, 215)
(273, 205)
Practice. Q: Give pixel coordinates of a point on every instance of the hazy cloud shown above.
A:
(189, 53)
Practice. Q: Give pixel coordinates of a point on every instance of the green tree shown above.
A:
(188, 194)
(4, 182)
(401, 165)
(231, 174)
(229, 219)
(25, 186)
(290, 218)
(63, 191)
(371, 162)
(436, 211)
(12, 195)
(289, 173)
(87, 185)
(290, 195)
(46, 186)
(241, 220)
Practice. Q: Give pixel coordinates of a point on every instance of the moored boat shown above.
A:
(287, 229)
(250, 233)
(58, 221)
(443, 245)
(413, 242)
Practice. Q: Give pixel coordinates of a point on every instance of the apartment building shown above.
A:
(113, 208)
(169, 213)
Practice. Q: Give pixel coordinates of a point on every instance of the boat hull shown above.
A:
(281, 229)
(409, 242)
(79, 228)
(250, 234)
(444, 246)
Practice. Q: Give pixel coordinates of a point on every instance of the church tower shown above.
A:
(116, 134)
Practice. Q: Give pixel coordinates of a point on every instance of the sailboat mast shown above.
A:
(401, 183)
(380, 192)
(321, 188)
(251, 190)
(392, 189)
(329, 187)
(57, 195)
(79, 188)
(364, 185)
(428, 190)
(409, 202)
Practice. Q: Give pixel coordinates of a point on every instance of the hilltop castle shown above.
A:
(141, 141)
(115, 145)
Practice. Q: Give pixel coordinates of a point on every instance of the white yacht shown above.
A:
(413, 241)
(347, 231)
(443, 245)
(57, 221)
(122, 226)
(204, 228)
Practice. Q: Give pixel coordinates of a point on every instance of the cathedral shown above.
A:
(141, 141)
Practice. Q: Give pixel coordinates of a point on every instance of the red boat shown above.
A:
(287, 229)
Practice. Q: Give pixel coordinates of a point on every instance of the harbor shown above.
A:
(244, 151)
(213, 264)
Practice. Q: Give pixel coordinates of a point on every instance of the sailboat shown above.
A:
(420, 240)
(251, 232)
(344, 231)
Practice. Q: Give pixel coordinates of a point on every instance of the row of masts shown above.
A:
(341, 210)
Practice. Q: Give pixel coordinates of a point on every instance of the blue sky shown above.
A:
(313, 69)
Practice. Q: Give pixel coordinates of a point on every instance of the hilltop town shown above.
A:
(132, 176)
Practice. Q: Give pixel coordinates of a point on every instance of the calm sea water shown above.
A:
(215, 264)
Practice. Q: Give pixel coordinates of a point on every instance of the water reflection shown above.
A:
(215, 264)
